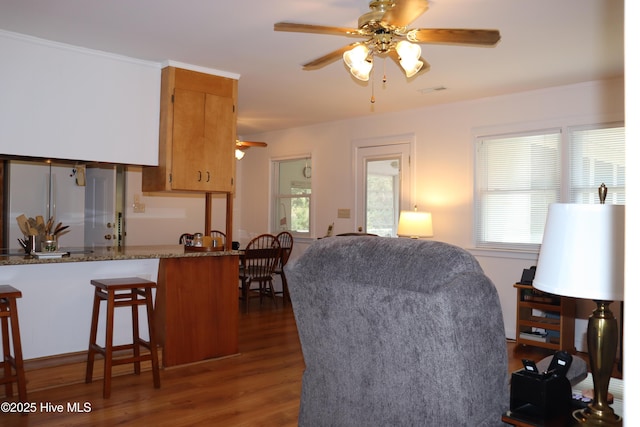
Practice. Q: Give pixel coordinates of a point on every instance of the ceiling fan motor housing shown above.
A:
(378, 9)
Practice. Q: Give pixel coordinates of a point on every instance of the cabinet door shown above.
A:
(187, 169)
(220, 143)
(203, 142)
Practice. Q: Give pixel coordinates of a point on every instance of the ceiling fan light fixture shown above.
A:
(239, 154)
(412, 67)
(362, 70)
(356, 55)
(359, 62)
(408, 50)
(409, 54)
(385, 29)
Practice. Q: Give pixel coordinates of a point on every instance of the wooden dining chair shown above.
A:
(185, 238)
(259, 262)
(286, 246)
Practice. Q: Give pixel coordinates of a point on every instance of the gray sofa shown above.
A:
(397, 332)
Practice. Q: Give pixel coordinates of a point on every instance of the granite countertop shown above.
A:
(15, 257)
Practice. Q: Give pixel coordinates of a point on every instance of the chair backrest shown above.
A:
(185, 238)
(220, 234)
(286, 246)
(261, 256)
(397, 332)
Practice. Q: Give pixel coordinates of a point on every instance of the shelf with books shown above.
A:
(544, 320)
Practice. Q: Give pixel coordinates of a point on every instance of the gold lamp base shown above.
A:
(602, 342)
(588, 418)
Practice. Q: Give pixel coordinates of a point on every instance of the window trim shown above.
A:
(565, 168)
(273, 185)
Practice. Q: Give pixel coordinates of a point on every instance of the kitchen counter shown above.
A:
(196, 300)
(15, 257)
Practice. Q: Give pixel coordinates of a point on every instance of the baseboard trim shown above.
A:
(70, 368)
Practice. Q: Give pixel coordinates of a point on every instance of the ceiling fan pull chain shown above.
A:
(384, 71)
(373, 83)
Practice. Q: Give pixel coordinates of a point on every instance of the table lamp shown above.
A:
(415, 224)
(582, 256)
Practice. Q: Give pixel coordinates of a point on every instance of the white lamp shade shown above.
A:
(582, 253)
(415, 224)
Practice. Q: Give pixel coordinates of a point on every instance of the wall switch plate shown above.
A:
(344, 213)
(137, 206)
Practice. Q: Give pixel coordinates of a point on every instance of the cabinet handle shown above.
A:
(208, 176)
(199, 176)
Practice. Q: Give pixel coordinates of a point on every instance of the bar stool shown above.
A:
(122, 292)
(9, 316)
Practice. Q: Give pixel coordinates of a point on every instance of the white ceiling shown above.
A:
(544, 43)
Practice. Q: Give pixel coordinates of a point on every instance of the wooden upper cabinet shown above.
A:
(197, 133)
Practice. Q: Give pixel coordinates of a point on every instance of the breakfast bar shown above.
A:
(196, 302)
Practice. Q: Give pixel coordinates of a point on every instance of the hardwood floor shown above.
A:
(258, 387)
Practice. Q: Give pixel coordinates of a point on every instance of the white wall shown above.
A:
(58, 322)
(166, 215)
(632, 230)
(64, 102)
(444, 164)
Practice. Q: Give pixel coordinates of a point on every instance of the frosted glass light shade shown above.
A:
(415, 224)
(356, 60)
(582, 253)
(361, 71)
(356, 55)
(411, 68)
(409, 54)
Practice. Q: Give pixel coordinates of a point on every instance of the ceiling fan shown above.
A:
(386, 31)
(241, 146)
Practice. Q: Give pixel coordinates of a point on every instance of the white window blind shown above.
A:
(517, 176)
(597, 156)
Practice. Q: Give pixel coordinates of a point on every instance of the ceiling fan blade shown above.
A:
(240, 144)
(316, 29)
(425, 66)
(454, 36)
(404, 12)
(329, 58)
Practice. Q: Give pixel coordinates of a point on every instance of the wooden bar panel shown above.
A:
(197, 308)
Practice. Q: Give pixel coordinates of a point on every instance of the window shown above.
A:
(382, 196)
(597, 156)
(519, 175)
(291, 207)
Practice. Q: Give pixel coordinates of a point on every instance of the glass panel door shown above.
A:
(383, 187)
